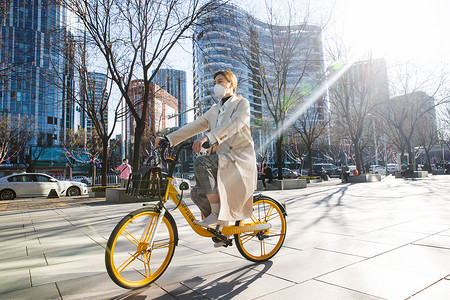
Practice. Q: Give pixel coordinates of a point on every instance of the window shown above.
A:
(42, 178)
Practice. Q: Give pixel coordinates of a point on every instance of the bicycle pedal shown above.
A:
(217, 233)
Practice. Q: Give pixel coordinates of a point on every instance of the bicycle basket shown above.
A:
(147, 183)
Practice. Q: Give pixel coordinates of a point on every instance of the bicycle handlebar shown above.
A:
(163, 145)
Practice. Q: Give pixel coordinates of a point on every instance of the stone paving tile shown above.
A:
(98, 286)
(23, 262)
(438, 291)
(316, 290)
(308, 239)
(353, 246)
(47, 291)
(308, 264)
(379, 280)
(183, 268)
(420, 227)
(391, 237)
(418, 259)
(442, 241)
(178, 291)
(12, 280)
(236, 283)
(67, 271)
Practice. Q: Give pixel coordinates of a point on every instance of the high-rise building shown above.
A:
(174, 82)
(96, 91)
(35, 77)
(161, 106)
(217, 41)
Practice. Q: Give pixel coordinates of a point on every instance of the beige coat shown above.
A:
(237, 173)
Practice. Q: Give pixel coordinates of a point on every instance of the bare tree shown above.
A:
(135, 37)
(14, 132)
(311, 126)
(285, 64)
(402, 114)
(426, 135)
(84, 148)
(354, 95)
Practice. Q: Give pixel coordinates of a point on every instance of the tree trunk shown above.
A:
(310, 160)
(279, 157)
(139, 131)
(105, 162)
(358, 156)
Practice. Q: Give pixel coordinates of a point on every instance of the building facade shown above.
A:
(161, 106)
(35, 77)
(174, 82)
(96, 91)
(219, 41)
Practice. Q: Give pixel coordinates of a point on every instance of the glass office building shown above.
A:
(174, 82)
(216, 43)
(35, 76)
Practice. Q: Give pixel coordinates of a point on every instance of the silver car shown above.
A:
(37, 184)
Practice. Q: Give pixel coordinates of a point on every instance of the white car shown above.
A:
(37, 184)
(81, 178)
(377, 169)
(393, 167)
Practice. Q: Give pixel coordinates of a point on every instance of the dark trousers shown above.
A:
(263, 178)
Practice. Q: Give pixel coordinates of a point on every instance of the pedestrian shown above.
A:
(266, 174)
(228, 174)
(345, 173)
(125, 171)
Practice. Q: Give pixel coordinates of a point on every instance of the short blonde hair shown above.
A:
(229, 76)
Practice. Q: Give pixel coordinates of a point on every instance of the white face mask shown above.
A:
(219, 91)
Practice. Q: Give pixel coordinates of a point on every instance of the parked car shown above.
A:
(287, 173)
(393, 168)
(377, 169)
(37, 184)
(352, 169)
(326, 169)
(83, 179)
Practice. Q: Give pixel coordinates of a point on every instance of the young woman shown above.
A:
(228, 174)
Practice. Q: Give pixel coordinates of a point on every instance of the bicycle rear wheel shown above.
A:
(130, 261)
(262, 245)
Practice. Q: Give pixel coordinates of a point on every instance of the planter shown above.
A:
(313, 180)
(364, 178)
(97, 194)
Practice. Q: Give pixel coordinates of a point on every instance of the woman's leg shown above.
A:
(205, 169)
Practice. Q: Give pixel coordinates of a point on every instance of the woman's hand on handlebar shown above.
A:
(197, 145)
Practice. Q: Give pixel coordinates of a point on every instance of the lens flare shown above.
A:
(310, 99)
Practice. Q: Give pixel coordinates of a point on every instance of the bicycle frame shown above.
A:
(189, 216)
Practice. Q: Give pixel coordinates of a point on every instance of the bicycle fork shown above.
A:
(152, 227)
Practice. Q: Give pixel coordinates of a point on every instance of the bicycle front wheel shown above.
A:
(131, 261)
(262, 245)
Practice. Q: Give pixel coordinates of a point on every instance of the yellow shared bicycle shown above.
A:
(142, 244)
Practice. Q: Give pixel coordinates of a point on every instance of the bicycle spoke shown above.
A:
(127, 262)
(247, 238)
(263, 248)
(137, 241)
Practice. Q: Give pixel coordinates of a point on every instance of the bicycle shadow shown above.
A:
(227, 286)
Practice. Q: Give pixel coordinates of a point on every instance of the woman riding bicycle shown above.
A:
(228, 175)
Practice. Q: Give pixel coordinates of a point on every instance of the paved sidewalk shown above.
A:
(383, 240)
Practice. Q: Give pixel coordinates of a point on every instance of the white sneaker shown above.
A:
(211, 221)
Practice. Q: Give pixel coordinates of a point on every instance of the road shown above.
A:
(382, 240)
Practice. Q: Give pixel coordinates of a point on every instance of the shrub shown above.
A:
(103, 188)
